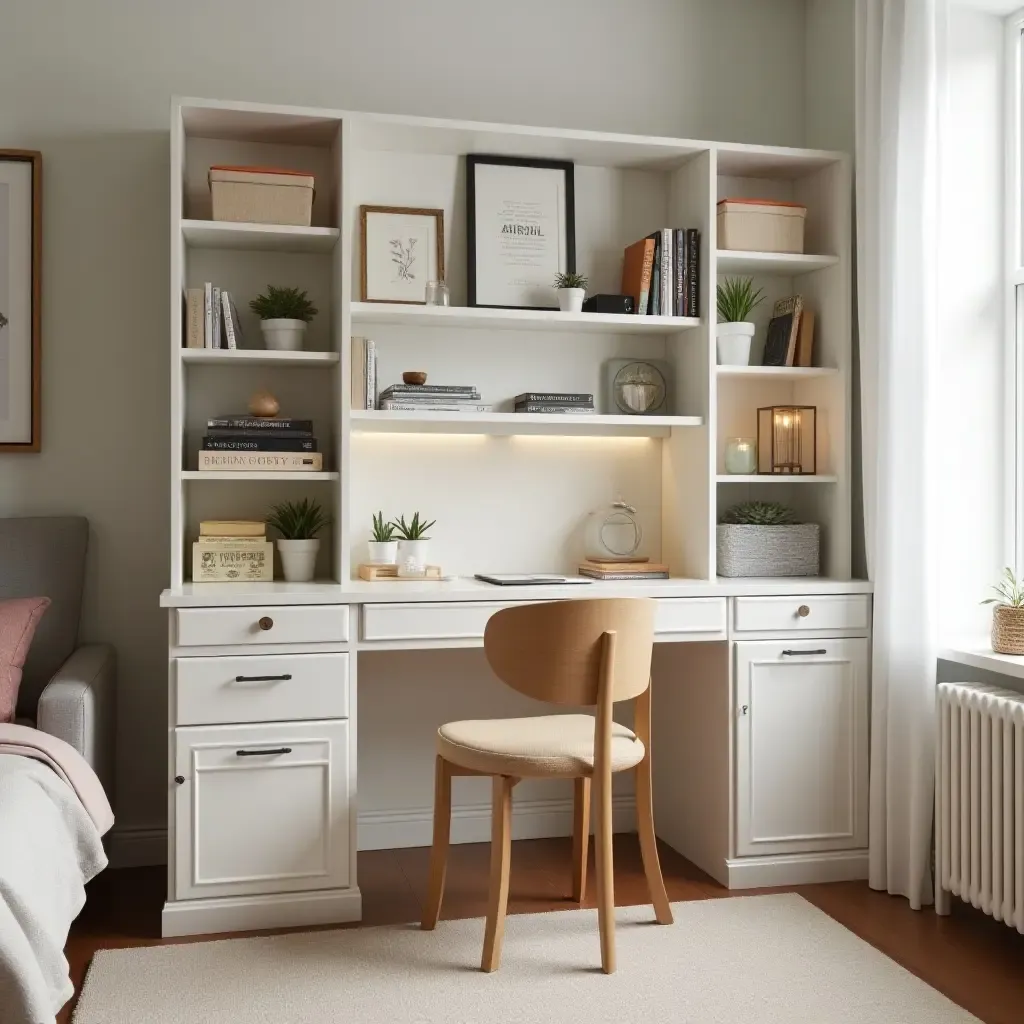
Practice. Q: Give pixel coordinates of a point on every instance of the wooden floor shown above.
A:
(974, 960)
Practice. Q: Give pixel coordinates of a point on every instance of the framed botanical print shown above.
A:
(521, 230)
(402, 249)
(21, 238)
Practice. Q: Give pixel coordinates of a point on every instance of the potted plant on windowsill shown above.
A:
(383, 548)
(764, 538)
(1008, 615)
(413, 545)
(736, 300)
(298, 522)
(572, 290)
(283, 313)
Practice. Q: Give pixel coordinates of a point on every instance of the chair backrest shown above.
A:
(44, 556)
(554, 651)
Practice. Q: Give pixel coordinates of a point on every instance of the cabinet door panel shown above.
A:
(801, 746)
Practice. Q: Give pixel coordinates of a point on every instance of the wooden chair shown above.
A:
(583, 653)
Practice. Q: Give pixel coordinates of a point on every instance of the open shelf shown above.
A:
(227, 356)
(217, 234)
(776, 478)
(790, 263)
(195, 474)
(556, 424)
(776, 372)
(517, 319)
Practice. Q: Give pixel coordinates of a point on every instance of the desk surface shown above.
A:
(465, 588)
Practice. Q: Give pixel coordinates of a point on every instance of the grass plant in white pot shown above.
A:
(383, 548)
(283, 313)
(413, 545)
(572, 290)
(298, 522)
(736, 300)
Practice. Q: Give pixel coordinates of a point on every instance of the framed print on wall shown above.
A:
(520, 228)
(402, 249)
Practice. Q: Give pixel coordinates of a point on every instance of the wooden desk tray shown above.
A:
(380, 573)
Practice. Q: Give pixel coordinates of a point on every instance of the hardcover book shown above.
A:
(667, 273)
(395, 405)
(232, 543)
(232, 528)
(693, 271)
(194, 318)
(429, 389)
(272, 424)
(682, 270)
(637, 266)
(260, 443)
(555, 397)
(261, 462)
(547, 409)
(208, 316)
(613, 576)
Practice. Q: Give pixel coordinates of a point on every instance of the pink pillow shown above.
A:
(18, 621)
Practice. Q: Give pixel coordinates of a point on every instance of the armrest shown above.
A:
(78, 706)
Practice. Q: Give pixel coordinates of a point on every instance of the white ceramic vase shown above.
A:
(734, 343)
(412, 558)
(283, 335)
(570, 300)
(298, 559)
(382, 552)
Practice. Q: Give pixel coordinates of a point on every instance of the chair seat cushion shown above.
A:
(549, 745)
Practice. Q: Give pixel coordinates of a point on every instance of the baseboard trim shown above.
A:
(797, 869)
(246, 913)
(136, 847)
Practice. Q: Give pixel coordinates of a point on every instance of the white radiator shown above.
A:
(979, 800)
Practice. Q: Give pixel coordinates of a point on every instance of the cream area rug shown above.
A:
(737, 960)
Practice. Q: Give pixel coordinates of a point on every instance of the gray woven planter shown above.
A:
(768, 550)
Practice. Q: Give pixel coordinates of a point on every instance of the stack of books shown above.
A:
(662, 273)
(623, 570)
(260, 444)
(432, 398)
(210, 319)
(554, 402)
(232, 551)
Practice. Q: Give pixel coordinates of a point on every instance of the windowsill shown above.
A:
(982, 656)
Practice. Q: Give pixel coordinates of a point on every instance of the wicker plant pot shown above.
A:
(1007, 629)
(768, 550)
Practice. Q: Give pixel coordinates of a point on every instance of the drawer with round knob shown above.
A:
(784, 614)
(287, 624)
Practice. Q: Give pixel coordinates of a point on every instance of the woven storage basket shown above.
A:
(745, 550)
(1007, 630)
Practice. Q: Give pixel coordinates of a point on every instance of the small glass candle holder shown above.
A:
(437, 294)
(741, 455)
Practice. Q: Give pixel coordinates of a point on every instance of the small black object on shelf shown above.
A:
(609, 304)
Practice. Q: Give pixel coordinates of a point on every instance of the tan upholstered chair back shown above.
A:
(555, 651)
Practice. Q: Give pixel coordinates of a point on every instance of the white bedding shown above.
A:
(49, 849)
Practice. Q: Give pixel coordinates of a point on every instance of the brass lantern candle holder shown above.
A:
(787, 440)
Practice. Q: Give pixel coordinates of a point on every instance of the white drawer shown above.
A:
(261, 688)
(452, 620)
(826, 611)
(690, 615)
(288, 624)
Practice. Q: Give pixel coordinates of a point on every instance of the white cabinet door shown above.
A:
(801, 746)
(261, 808)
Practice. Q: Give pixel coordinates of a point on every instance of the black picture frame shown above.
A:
(473, 160)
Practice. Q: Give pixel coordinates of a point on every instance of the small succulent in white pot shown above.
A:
(283, 313)
(298, 522)
(736, 301)
(1008, 614)
(572, 290)
(413, 545)
(383, 548)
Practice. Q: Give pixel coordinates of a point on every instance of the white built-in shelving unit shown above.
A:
(509, 492)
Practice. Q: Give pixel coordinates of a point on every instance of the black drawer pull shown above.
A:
(264, 679)
(263, 753)
(802, 654)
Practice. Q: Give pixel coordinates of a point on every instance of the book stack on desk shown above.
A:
(232, 551)
(623, 570)
(260, 444)
(432, 398)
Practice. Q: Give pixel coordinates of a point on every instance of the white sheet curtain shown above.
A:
(899, 99)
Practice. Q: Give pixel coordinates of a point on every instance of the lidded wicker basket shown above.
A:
(1007, 629)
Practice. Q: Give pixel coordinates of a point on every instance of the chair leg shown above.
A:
(501, 854)
(605, 874)
(649, 843)
(580, 836)
(439, 850)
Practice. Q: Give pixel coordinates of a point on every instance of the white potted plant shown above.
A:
(572, 290)
(413, 545)
(736, 300)
(383, 548)
(283, 313)
(1008, 615)
(298, 522)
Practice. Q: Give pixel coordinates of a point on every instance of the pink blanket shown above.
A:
(67, 762)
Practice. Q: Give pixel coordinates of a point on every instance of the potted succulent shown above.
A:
(764, 538)
(736, 300)
(283, 313)
(1008, 615)
(383, 548)
(413, 544)
(298, 522)
(572, 290)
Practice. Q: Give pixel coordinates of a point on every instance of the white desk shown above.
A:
(760, 745)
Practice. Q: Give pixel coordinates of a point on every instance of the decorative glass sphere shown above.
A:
(613, 533)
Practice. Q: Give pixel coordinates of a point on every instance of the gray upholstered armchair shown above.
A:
(67, 690)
